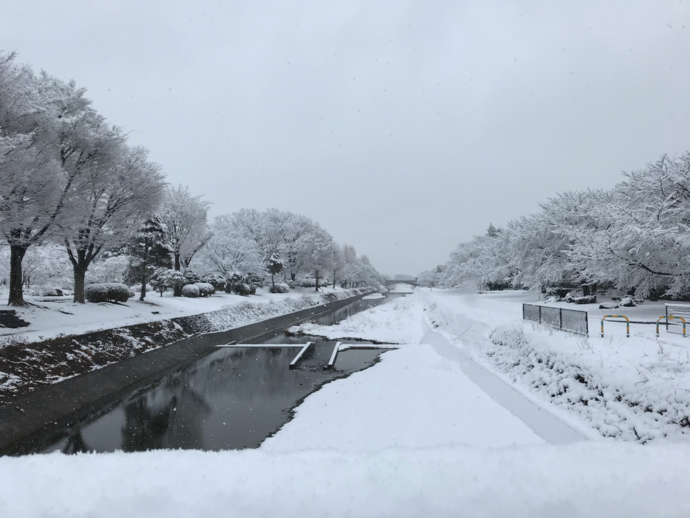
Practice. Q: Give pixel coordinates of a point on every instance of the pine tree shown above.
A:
(148, 251)
(274, 266)
(493, 231)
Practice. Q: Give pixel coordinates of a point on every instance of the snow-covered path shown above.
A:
(543, 422)
(413, 398)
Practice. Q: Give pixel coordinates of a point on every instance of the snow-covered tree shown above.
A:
(41, 155)
(148, 251)
(186, 219)
(230, 252)
(118, 191)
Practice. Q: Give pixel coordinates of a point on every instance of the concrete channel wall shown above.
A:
(54, 407)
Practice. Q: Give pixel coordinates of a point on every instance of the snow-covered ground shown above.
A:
(52, 316)
(401, 288)
(635, 388)
(415, 435)
(396, 322)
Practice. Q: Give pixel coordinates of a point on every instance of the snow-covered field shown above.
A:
(52, 316)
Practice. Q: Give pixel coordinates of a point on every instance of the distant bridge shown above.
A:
(391, 282)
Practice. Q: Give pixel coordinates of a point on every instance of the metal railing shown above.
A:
(570, 320)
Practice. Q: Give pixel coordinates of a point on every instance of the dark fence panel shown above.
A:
(565, 319)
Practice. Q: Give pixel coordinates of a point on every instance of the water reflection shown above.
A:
(233, 398)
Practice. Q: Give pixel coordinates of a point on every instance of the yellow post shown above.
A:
(667, 319)
(627, 324)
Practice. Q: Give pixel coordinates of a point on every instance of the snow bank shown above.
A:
(581, 480)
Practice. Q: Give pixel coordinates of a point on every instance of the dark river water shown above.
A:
(233, 398)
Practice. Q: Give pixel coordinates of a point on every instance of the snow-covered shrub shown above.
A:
(117, 292)
(256, 280)
(241, 289)
(586, 299)
(628, 302)
(291, 284)
(308, 282)
(279, 288)
(96, 293)
(167, 278)
(252, 289)
(190, 290)
(205, 289)
(191, 276)
(106, 292)
(216, 280)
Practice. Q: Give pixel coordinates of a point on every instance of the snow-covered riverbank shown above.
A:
(50, 317)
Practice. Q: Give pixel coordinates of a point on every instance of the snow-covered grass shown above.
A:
(394, 322)
(55, 316)
(635, 388)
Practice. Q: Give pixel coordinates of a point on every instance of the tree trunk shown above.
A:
(79, 283)
(333, 279)
(177, 290)
(16, 297)
(316, 274)
(273, 282)
(292, 276)
(143, 288)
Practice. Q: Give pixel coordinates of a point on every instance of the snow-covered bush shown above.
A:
(106, 292)
(117, 292)
(291, 284)
(241, 289)
(96, 293)
(216, 280)
(167, 278)
(51, 292)
(190, 290)
(252, 289)
(279, 288)
(205, 289)
(191, 276)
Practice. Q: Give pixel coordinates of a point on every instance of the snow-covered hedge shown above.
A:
(242, 289)
(205, 289)
(190, 290)
(279, 288)
(96, 293)
(106, 292)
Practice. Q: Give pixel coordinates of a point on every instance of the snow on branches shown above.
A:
(634, 236)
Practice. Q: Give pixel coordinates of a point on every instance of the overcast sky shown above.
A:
(403, 127)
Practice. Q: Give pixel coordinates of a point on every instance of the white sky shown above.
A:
(402, 127)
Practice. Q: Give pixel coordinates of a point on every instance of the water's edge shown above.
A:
(56, 406)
